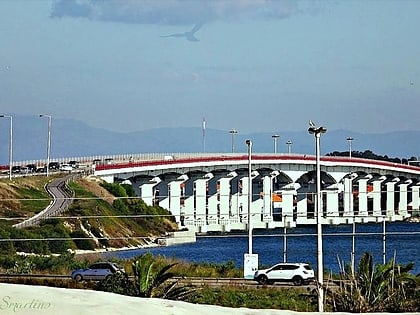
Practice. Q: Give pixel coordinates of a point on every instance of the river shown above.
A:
(402, 241)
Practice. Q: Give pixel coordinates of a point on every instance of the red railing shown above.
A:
(192, 160)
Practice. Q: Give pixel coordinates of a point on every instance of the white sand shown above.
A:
(26, 299)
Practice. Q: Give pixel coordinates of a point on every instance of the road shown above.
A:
(195, 281)
(62, 197)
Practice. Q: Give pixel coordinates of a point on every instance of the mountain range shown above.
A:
(73, 138)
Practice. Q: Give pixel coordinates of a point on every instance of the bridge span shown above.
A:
(209, 192)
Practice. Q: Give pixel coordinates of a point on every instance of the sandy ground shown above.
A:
(25, 299)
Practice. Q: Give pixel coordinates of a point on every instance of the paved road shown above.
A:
(62, 197)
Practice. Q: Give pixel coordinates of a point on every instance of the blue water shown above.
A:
(402, 240)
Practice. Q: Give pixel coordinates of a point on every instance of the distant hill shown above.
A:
(72, 138)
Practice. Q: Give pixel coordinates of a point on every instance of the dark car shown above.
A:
(97, 271)
(54, 166)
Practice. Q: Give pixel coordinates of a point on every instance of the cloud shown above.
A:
(174, 12)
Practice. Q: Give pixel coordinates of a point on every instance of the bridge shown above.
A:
(210, 192)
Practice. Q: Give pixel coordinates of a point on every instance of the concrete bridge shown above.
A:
(209, 192)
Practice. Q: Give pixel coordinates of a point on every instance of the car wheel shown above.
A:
(262, 279)
(297, 280)
(78, 278)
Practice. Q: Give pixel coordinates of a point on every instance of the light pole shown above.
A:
(317, 131)
(289, 146)
(350, 139)
(10, 145)
(249, 144)
(275, 139)
(233, 132)
(48, 141)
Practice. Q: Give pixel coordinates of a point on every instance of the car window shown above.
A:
(278, 267)
(307, 267)
(290, 267)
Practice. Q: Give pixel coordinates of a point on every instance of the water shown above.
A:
(402, 240)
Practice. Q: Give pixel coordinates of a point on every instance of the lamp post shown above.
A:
(289, 146)
(48, 142)
(233, 132)
(249, 144)
(10, 145)
(317, 131)
(275, 139)
(350, 139)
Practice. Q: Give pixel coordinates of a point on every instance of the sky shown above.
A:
(251, 65)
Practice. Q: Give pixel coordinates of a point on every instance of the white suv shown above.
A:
(298, 273)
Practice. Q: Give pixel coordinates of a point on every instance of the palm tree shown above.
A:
(388, 287)
(153, 281)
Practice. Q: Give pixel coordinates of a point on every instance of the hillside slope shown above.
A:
(96, 218)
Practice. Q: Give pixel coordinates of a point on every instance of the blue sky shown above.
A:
(258, 65)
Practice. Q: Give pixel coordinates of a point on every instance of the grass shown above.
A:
(294, 299)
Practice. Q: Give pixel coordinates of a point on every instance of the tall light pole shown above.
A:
(233, 132)
(249, 144)
(10, 145)
(48, 141)
(275, 139)
(350, 139)
(317, 131)
(289, 146)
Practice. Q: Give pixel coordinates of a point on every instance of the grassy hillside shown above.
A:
(101, 215)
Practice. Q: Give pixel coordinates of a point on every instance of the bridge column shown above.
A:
(147, 190)
(224, 202)
(348, 213)
(288, 197)
(267, 211)
(175, 198)
(255, 208)
(332, 205)
(415, 204)
(403, 204)
(238, 207)
(390, 198)
(376, 195)
(302, 206)
(202, 217)
(363, 201)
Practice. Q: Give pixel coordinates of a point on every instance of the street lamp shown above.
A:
(350, 139)
(233, 132)
(249, 144)
(289, 146)
(10, 145)
(48, 141)
(317, 131)
(275, 138)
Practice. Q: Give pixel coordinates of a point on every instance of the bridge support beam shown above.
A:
(363, 200)
(376, 195)
(403, 203)
(332, 205)
(147, 189)
(390, 198)
(415, 204)
(348, 200)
